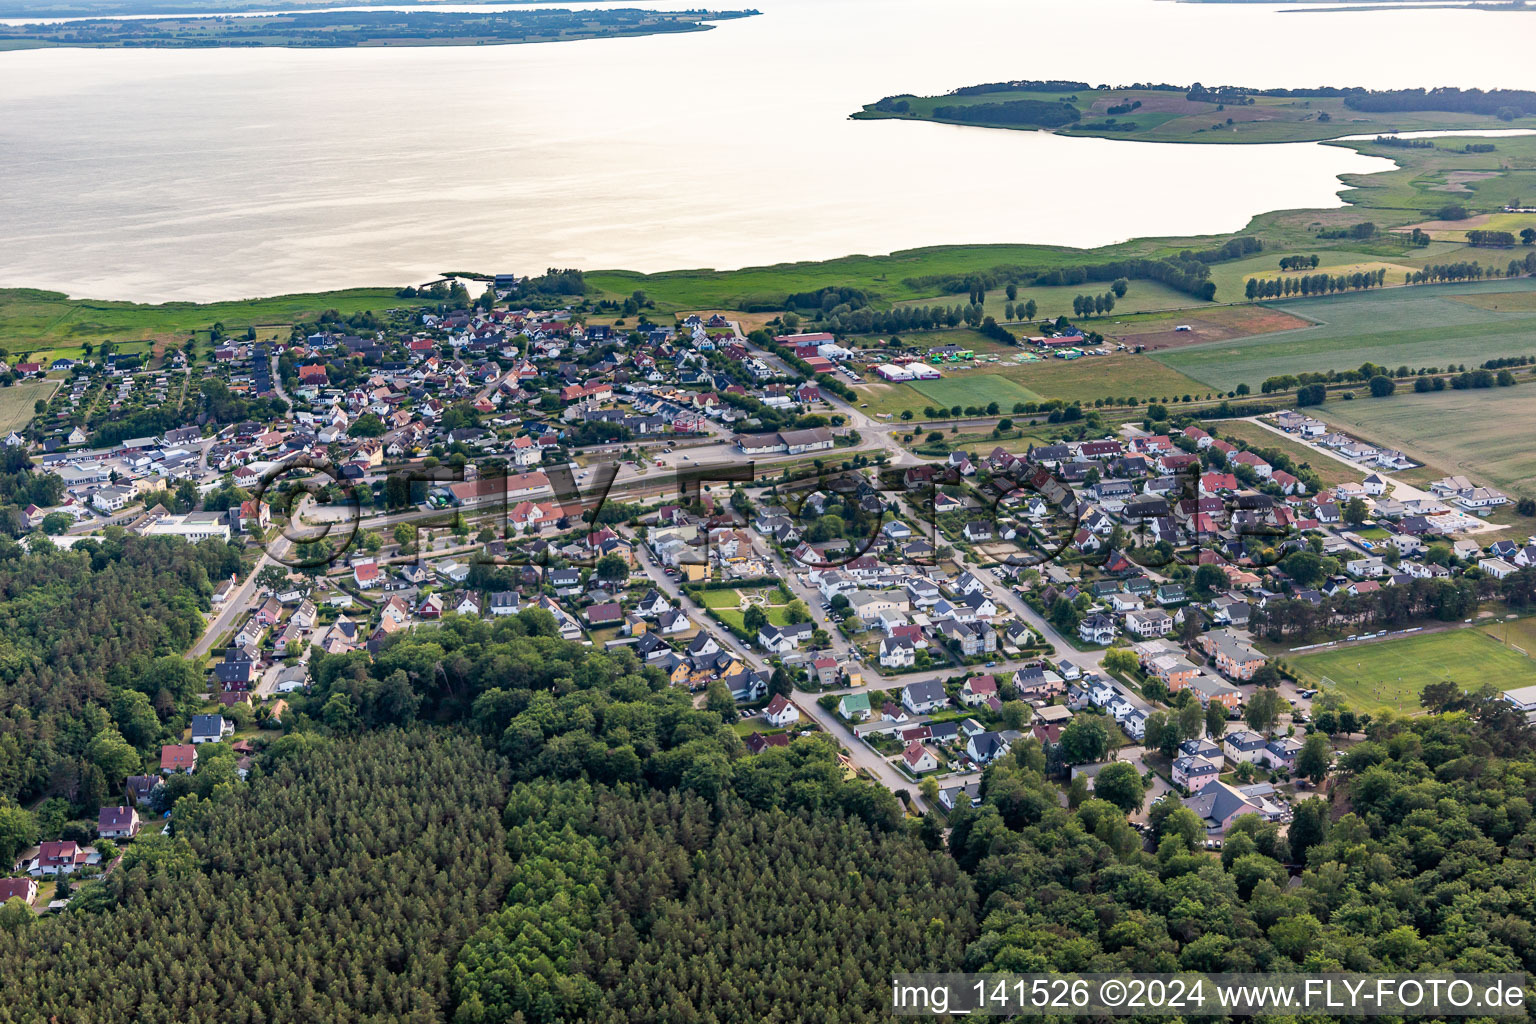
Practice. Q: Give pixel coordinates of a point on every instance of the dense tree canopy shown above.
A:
(79, 627)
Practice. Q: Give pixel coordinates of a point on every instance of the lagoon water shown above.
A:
(159, 174)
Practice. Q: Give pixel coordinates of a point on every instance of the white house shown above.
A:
(781, 713)
(897, 652)
(919, 758)
(211, 728)
(921, 698)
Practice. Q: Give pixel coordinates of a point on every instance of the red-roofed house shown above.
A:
(919, 758)
(976, 690)
(24, 889)
(59, 857)
(178, 757)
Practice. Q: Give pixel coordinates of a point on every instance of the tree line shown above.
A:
(1313, 284)
(1439, 273)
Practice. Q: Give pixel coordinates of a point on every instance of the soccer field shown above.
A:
(975, 390)
(1389, 675)
(1430, 325)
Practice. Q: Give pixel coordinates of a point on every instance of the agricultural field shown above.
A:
(1429, 325)
(1483, 434)
(1154, 331)
(1389, 675)
(1116, 376)
(18, 401)
(1332, 472)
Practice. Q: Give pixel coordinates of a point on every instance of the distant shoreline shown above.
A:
(111, 9)
(353, 29)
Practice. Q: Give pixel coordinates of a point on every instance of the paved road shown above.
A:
(238, 604)
(862, 754)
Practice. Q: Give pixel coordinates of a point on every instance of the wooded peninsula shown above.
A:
(362, 28)
(1145, 112)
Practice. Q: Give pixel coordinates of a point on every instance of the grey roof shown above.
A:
(923, 693)
(1217, 801)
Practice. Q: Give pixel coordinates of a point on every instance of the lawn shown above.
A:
(1483, 433)
(726, 606)
(18, 400)
(1332, 472)
(1388, 676)
(1423, 326)
(49, 322)
(737, 619)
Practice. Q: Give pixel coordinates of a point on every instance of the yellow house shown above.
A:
(695, 571)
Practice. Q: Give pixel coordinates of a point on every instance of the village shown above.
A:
(715, 501)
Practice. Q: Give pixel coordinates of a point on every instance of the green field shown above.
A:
(51, 324)
(1389, 675)
(1484, 434)
(18, 400)
(1140, 297)
(1420, 326)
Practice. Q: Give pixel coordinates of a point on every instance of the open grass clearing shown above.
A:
(1389, 675)
(1484, 434)
(1502, 302)
(1416, 327)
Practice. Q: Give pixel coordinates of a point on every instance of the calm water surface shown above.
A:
(155, 174)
